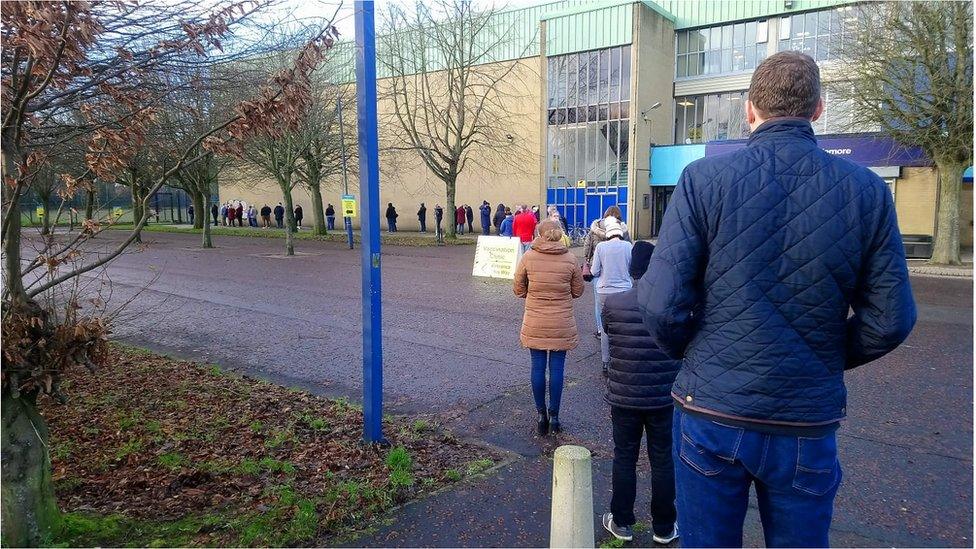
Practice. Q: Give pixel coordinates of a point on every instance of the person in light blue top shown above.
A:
(611, 273)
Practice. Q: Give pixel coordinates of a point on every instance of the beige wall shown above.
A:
(915, 198)
(653, 68)
(966, 216)
(509, 174)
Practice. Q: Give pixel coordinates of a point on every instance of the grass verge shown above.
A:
(153, 451)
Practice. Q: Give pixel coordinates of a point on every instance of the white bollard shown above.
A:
(572, 498)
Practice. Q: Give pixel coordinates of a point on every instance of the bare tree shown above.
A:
(447, 95)
(93, 58)
(911, 64)
(331, 147)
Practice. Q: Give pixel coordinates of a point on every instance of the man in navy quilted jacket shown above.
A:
(778, 268)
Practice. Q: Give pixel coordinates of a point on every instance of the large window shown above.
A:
(701, 118)
(716, 117)
(588, 118)
(820, 34)
(719, 50)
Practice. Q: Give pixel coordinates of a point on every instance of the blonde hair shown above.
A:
(550, 230)
(614, 211)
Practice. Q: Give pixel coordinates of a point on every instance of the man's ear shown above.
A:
(750, 113)
(818, 111)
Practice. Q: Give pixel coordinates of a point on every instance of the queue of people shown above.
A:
(237, 213)
(727, 343)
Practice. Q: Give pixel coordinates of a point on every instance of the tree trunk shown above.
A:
(946, 248)
(289, 219)
(46, 222)
(451, 209)
(90, 203)
(205, 199)
(318, 212)
(13, 276)
(198, 206)
(30, 511)
(136, 208)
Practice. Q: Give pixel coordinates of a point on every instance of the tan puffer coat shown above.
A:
(549, 278)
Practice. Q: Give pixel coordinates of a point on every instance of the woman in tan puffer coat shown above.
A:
(549, 278)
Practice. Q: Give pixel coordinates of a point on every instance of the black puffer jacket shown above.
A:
(640, 373)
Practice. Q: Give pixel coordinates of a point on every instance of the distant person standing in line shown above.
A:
(240, 214)
(215, 214)
(469, 215)
(459, 220)
(189, 213)
(485, 210)
(279, 213)
(231, 214)
(223, 214)
(505, 229)
(535, 212)
(391, 217)
(266, 216)
(499, 217)
(330, 217)
(438, 217)
(524, 227)
(299, 214)
(252, 216)
(422, 217)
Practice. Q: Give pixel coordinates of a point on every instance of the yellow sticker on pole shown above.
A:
(348, 205)
(117, 212)
(40, 211)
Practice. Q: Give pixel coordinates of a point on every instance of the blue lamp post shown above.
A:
(369, 191)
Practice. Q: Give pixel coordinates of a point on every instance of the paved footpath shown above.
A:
(452, 352)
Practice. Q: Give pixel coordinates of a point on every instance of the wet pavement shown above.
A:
(451, 350)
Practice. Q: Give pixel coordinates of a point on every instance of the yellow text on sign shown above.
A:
(348, 206)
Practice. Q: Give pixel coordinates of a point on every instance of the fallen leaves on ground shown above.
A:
(150, 438)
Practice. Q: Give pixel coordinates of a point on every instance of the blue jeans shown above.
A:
(557, 361)
(330, 222)
(796, 480)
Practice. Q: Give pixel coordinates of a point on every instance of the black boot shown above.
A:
(554, 427)
(543, 425)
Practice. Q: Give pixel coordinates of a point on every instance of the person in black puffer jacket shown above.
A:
(639, 393)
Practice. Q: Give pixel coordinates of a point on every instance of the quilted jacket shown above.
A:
(640, 374)
(778, 267)
(549, 279)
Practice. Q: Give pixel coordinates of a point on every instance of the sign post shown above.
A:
(369, 191)
(346, 220)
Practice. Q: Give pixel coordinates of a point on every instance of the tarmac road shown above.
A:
(451, 350)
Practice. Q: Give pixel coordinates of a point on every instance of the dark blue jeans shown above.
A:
(557, 361)
(330, 219)
(796, 480)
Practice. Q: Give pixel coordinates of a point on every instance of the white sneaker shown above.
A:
(664, 540)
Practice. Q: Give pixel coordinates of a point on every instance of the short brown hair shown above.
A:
(786, 84)
(614, 211)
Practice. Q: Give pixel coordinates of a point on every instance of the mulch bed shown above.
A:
(156, 439)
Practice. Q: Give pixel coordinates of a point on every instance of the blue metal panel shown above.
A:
(623, 212)
(622, 195)
(593, 210)
(550, 196)
(560, 196)
(369, 192)
(668, 162)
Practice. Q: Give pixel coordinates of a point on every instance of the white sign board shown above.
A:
(497, 257)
